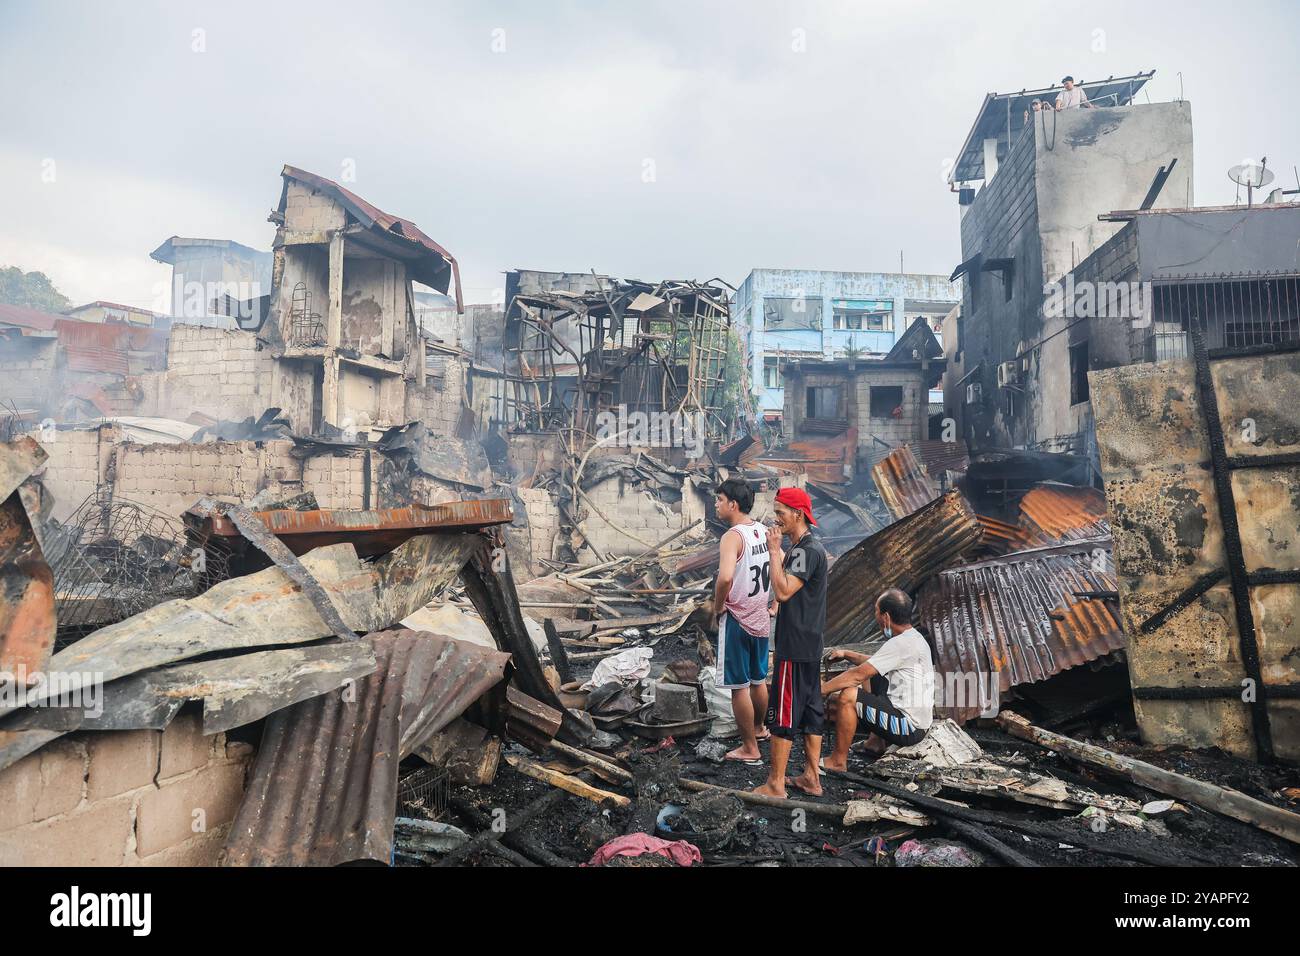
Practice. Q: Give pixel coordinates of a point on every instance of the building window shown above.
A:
(886, 401)
(864, 317)
(792, 313)
(1078, 373)
(824, 402)
(771, 373)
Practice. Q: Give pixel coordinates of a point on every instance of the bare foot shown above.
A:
(829, 764)
(812, 787)
(768, 790)
(740, 753)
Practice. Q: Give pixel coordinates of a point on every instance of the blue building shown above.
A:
(792, 315)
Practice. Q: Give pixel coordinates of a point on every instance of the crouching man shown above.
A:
(900, 705)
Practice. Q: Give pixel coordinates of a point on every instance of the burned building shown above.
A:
(341, 322)
(578, 345)
(859, 410)
(209, 275)
(1046, 178)
(1200, 448)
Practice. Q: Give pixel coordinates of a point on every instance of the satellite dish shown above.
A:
(1252, 175)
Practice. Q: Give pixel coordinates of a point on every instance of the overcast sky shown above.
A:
(649, 140)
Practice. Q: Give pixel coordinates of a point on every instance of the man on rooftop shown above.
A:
(1072, 97)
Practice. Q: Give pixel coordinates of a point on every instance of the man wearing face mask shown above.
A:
(900, 707)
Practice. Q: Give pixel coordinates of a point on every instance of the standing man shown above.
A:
(1072, 97)
(741, 595)
(900, 707)
(799, 585)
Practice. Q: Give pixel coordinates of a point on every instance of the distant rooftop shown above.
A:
(167, 251)
(1002, 117)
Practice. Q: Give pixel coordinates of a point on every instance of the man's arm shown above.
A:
(854, 677)
(853, 657)
(728, 556)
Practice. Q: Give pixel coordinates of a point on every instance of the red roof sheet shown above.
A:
(26, 318)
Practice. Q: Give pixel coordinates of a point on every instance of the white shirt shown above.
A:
(1071, 99)
(905, 660)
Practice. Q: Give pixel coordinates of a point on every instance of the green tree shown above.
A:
(32, 289)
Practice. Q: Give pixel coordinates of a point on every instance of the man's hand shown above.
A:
(713, 623)
(837, 655)
(773, 540)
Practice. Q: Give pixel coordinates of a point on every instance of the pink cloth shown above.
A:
(636, 844)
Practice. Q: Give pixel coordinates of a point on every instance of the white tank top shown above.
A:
(751, 588)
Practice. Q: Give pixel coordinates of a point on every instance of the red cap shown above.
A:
(797, 499)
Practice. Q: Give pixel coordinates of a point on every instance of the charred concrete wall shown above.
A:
(1040, 211)
(123, 798)
(220, 373)
(1160, 489)
(171, 478)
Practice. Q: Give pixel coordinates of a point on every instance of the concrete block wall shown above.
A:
(543, 522)
(74, 469)
(912, 426)
(306, 210)
(338, 481)
(123, 798)
(439, 403)
(171, 478)
(634, 510)
(215, 372)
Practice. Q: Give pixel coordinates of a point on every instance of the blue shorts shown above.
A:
(742, 657)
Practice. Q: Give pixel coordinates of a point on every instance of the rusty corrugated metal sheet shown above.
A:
(27, 621)
(903, 483)
(905, 555)
(1018, 617)
(828, 461)
(1065, 512)
(370, 532)
(323, 789)
(25, 318)
(107, 347)
(939, 456)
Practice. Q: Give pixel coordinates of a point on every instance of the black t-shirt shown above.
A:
(801, 621)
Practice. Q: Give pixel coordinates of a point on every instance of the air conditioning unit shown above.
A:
(974, 393)
(1009, 373)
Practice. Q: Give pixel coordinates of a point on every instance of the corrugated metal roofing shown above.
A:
(904, 555)
(939, 456)
(904, 485)
(1066, 512)
(26, 318)
(1018, 616)
(323, 789)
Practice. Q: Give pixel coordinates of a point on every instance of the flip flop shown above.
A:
(747, 761)
(767, 735)
(821, 765)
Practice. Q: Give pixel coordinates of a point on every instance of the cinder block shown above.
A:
(96, 835)
(201, 849)
(120, 760)
(43, 784)
(169, 816)
(184, 748)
